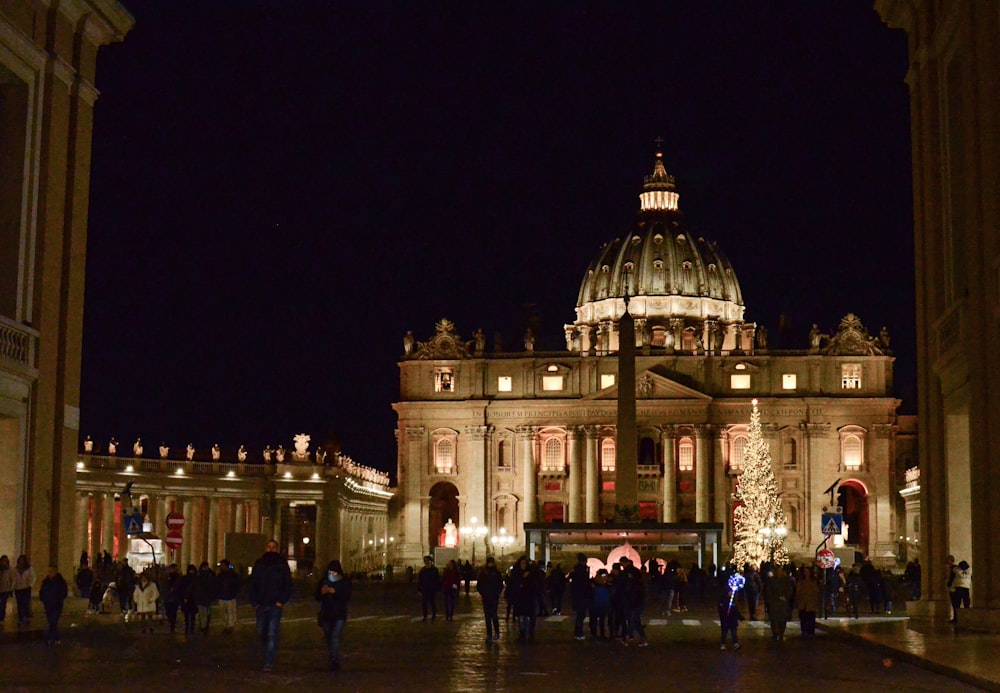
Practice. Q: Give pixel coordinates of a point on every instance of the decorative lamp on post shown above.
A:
(474, 531)
(502, 540)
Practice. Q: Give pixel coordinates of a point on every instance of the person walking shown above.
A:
(228, 585)
(600, 602)
(6, 585)
(333, 593)
(580, 592)
(489, 584)
(270, 590)
(779, 591)
(428, 584)
(125, 583)
(807, 600)
(144, 596)
(732, 606)
(172, 596)
(961, 585)
(189, 607)
(53, 593)
(523, 590)
(24, 580)
(205, 593)
(451, 581)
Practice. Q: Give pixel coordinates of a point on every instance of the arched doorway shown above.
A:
(853, 499)
(443, 507)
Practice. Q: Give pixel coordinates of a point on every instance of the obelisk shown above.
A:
(626, 445)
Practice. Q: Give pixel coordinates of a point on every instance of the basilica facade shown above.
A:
(501, 440)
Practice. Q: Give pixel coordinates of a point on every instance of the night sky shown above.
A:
(280, 190)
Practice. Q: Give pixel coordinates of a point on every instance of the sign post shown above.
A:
(174, 538)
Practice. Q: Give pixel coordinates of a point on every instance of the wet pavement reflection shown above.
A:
(387, 647)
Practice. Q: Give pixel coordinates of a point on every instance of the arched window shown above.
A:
(738, 452)
(851, 452)
(552, 457)
(608, 455)
(685, 455)
(444, 456)
(852, 447)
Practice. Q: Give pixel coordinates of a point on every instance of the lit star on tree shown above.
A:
(757, 504)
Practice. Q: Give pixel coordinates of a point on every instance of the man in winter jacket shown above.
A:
(229, 588)
(490, 585)
(580, 589)
(52, 594)
(270, 590)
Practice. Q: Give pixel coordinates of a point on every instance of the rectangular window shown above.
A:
(739, 381)
(553, 486)
(552, 383)
(607, 486)
(444, 380)
(788, 381)
(505, 383)
(607, 380)
(850, 374)
(685, 457)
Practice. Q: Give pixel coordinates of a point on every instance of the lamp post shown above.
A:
(503, 540)
(771, 535)
(474, 531)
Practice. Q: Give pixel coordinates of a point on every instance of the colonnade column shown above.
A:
(108, 523)
(212, 550)
(526, 438)
(187, 533)
(593, 474)
(239, 510)
(703, 465)
(253, 516)
(575, 450)
(720, 482)
(83, 526)
(669, 474)
(323, 555)
(96, 522)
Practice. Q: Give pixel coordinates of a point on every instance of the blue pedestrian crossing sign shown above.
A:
(832, 523)
(133, 522)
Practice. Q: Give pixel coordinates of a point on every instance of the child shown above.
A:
(732, 608)
(95, 596)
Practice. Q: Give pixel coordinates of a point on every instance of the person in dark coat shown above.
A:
(205, 593)
(580, 590)
(523, 590)
(428, 585)
(489, 584)
(189, 607)
(555, 583)
(333, 593)
(84, 579)
(53, 594)
(270, 590)
(228, 583)
(172, 596)
(600, 603)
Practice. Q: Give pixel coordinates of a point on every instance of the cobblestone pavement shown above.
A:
(387, 646)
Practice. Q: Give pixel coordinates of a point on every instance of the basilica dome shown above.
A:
(673, 281)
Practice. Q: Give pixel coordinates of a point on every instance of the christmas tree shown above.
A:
(757, 505)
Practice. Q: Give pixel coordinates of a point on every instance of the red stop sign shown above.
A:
(175, 522)
(173, 540)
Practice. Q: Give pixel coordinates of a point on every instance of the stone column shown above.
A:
(473, 444)
(253, 517)
(239, 510)
(187, 551)
(593, 505)
(95, 526)
(720, 481)
(703, 468)
(669, 474)
(83, 526)
(323, 555)
(108, 524)
(575, 453)
(212, 550)
(529, 474)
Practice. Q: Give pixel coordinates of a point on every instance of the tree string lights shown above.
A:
(758, 506)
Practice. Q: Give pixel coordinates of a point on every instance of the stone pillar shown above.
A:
(575, 454)
(529, 473)
(703, 468)
(95, 526)
(593, 505)
(669, 474)
(239, 510)
(253, 517)
(187, 551)
(626, 441)
(720, 480)
(108, 524)
(83, 526)
(212, 550)
(323, 555)
(473, 444)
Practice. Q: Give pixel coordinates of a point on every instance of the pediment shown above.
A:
(652, 385)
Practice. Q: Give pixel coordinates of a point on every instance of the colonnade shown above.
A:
(207, 520)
